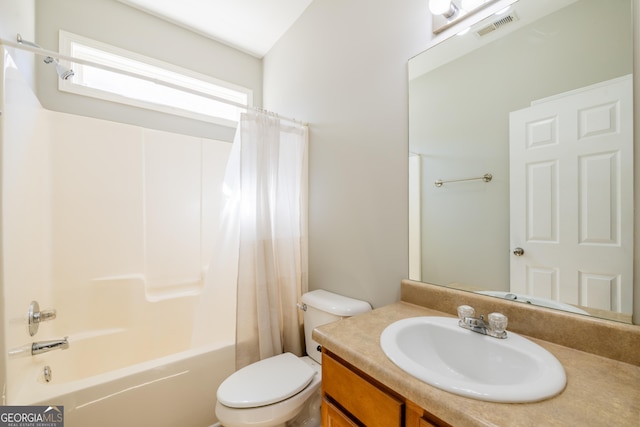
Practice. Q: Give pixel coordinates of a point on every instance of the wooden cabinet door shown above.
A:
(415, 416)
(365, 401)
(333, 417)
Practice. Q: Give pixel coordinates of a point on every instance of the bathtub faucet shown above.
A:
(45, 346)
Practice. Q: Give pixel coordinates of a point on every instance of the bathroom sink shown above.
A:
(439, 352)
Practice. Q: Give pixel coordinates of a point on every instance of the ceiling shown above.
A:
(252, 26)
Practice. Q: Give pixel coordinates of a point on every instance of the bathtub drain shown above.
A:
(47, 373)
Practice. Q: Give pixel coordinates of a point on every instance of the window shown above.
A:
(139, 92)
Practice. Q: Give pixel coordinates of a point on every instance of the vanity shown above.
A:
(362, 386)
(486, 217)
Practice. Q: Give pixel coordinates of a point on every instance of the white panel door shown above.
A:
(571, 197)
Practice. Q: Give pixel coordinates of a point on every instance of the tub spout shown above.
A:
(46, 346)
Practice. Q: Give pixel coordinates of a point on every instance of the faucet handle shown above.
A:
(498, 323)
(465, 311)
(35, 316)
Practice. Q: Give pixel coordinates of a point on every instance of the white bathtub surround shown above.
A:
(114, 226)
(268, 173)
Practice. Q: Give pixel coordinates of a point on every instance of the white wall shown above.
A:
(343, 68)
(15, 17)
(19, 17)
(26, 264)
(123, 26)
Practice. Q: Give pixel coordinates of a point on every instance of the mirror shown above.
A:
(496, 101)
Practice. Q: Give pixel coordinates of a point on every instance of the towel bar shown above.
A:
(487, 177)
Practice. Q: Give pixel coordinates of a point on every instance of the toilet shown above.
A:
(285, 389)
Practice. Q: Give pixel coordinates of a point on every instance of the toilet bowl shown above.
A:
(285, 389)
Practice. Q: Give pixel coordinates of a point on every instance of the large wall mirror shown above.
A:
(521, 157)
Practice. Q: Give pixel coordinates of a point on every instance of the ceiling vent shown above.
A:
(505, 20)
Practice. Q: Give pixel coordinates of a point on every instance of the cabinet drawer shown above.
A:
(362, 399)
(333, 417)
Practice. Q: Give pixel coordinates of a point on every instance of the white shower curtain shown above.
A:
(267, 180)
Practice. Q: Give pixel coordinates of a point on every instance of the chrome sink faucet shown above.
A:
(495, 326)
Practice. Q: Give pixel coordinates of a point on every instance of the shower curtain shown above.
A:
(266, 181)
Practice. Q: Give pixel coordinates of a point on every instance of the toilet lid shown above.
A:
(265, 382)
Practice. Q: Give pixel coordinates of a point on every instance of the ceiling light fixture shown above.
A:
(445, 8)
(448, 13)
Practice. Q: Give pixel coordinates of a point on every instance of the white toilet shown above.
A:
(285, 389)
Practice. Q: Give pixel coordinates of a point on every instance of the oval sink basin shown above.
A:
(439, 352)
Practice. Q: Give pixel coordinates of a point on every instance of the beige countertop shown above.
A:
(599, 392)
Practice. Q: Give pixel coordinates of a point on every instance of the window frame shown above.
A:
(66, 41)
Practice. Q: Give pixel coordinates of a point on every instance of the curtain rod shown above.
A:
(57, 55)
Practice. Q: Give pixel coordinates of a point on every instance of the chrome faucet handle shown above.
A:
(494, 326)
(465, 311)
(498, 324)
(36, 316)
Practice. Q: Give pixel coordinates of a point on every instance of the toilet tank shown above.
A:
(322, 307)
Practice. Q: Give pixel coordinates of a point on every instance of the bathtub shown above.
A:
(132, 361)
(154, 363)
(117, 228)
(175, 390)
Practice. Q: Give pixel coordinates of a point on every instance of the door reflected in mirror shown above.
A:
(543, 104)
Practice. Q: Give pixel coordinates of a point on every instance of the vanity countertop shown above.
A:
(600, 391)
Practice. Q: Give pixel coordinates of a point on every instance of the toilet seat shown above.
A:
(266, 382)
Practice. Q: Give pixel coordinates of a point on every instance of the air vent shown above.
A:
(505, 20)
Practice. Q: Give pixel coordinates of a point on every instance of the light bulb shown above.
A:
(439, 7)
